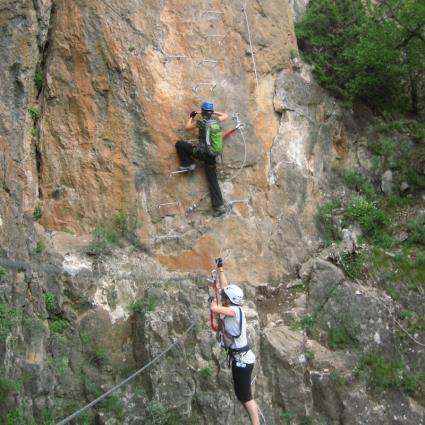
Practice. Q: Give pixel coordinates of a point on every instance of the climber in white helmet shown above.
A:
(234, 340)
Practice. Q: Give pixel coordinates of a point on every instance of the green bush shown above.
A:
(57, 326)
(383, 147)
(8, 317)
(143, 306)
(35, 113)
(2, 272)
(413, 322)
(157, 413)
(405, 266)
(310, 356)
(68, 230)
(327, 28)
(308, 420)
(286, 417)
(206, 373)
(37, 214)
(410, 269)
(51, 302)
(367, 50)
(120, 229)
(308, 322)
(62, 408)
(33, 326)
(100, 356)
(416, 232)
(40, 247)
(383, 373)
(293, 54)
(358, 182)
(371, 218)
(352, 264)
(113, 404)
(39, 78)
(415, 177)
(393, 203)
(60, 362)
(35, 132)
(19, 417)
(305, 323)
(325, 222)
(7, 387)
(341, 335)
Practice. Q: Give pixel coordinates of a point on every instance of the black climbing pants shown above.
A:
(187, 153)
(242, 381)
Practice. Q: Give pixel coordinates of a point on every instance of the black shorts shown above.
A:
(242, 381)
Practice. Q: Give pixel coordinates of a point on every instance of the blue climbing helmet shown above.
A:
(207, 106)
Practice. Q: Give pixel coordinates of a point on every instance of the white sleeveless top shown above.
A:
(231, 324)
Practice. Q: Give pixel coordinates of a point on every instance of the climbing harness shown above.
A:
(215, 320)
(125, 381)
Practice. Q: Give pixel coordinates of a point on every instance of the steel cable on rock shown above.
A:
(125, 381)
(258, 407)
(250, 42)
(244, 157)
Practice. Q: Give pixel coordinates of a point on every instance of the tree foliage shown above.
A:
(368, 50)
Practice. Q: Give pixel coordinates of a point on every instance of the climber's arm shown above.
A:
(191, 123)
(227, 311)
(221, 116)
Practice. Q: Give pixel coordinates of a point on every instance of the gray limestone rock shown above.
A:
(387, 185)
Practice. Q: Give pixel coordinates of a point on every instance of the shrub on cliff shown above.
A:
(119, 230)
(370, 51)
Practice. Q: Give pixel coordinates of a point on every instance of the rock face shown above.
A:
(93, 97)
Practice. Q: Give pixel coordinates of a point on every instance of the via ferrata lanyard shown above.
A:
(215, 327)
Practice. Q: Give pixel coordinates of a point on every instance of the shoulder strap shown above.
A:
(240, 323)
(205, 124)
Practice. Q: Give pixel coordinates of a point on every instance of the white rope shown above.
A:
(78, 412)
(250, 42)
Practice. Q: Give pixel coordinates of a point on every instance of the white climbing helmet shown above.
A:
(234, 293)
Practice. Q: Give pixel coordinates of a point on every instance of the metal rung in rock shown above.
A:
(212, 12)
(169, 203)
(173, 56)
(214, 35)
(212, 61)
(159, 238)
(220, 36)
(213, 85)
(239, 201)
(176, 56)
